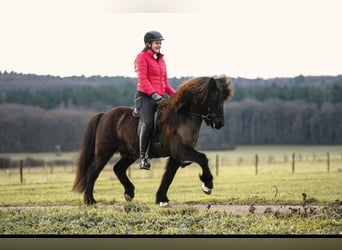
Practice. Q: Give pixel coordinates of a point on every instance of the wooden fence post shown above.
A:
(256, 163)
(328, 161)
(21, 171)
(293, 162)
(217, 165)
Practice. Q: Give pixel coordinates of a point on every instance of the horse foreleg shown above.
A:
(187, 153)
(170, 172)
(120, 169)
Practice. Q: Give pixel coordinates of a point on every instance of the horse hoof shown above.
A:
(89, 201)
(128, 198)
(164, 204)
(205, 189)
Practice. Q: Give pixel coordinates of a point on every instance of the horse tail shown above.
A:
(87, 154)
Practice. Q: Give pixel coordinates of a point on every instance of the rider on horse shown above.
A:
(153, 87)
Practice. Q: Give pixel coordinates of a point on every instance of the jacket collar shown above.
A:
(150, 52)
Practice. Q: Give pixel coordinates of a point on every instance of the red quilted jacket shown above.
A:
(152, 76)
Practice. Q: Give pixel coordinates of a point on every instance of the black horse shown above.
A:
(179, 122)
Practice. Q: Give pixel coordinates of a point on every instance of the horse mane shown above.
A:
(192, 92)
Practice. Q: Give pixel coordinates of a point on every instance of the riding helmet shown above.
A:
(152, 36)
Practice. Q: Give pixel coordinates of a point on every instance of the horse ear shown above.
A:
(214, 84)
(212, 81)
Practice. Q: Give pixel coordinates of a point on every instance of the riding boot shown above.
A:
(144, 140)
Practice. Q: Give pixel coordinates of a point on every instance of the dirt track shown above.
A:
(234, 209)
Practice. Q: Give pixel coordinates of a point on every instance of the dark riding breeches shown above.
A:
(146, 108)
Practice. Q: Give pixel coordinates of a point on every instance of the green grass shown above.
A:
(236, 183)
(144, 219)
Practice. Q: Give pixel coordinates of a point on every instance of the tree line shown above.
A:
(105, 96)
(100, 94)
(278, 111)
(33, 129)
(253, 122)
(249, 122)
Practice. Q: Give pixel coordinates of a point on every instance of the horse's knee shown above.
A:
(121, 166)
(205, 158)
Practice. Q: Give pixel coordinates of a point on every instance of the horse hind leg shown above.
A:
(93, 172)
(88, 194)
(120, 169)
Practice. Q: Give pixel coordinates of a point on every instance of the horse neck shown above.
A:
(196, 113)
(188, 118)
(193, 117)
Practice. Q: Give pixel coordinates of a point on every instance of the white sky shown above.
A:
(246, 38)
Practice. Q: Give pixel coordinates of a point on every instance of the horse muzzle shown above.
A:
(217, 123)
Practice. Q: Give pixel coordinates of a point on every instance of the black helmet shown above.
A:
(152, 36)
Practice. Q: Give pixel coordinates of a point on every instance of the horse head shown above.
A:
(201, 97)
(204, 97)
(211, 103)
(219, 89)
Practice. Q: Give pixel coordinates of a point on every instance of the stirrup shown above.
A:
(144, 164)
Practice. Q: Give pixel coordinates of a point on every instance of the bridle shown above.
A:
(209, 116)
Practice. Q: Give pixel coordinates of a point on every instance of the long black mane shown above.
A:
(191, 93)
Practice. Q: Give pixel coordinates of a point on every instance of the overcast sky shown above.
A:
(240, 38)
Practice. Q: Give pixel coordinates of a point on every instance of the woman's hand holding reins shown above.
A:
(157, 98)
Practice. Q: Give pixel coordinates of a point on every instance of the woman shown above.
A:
(153, 85)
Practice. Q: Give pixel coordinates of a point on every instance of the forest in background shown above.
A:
(37, 113)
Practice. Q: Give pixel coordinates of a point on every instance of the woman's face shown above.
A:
(156, 45)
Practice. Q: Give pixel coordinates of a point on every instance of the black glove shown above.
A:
(157, 98)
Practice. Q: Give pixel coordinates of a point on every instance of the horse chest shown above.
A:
(189, 135)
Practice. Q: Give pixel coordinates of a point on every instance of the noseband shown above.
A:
(209, 116)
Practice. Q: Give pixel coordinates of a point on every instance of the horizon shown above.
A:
(177, 77)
